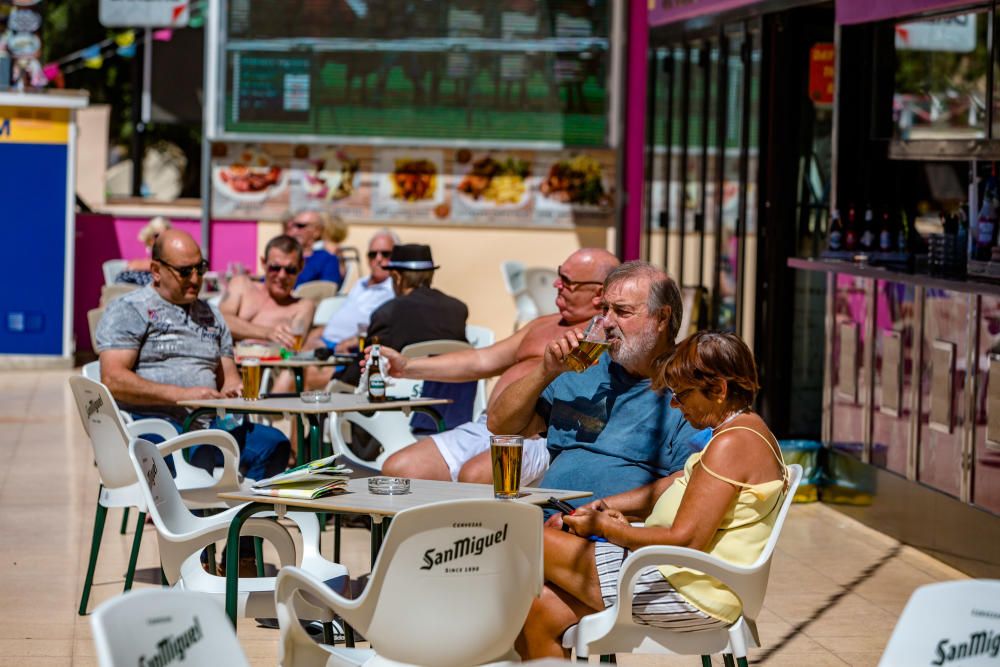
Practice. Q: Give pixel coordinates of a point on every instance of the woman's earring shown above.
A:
(719, 401)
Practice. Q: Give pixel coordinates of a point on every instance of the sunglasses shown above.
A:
(291, 270)
(299, 225)
(680, 397)
(573, 285)
(372, 254)
(184, 272)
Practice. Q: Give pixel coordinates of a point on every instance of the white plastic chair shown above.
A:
(613, 630)
(109, 435)
(540, 285)
(129, 630)
(944, 611)
(480, 337)
(350, 274)
(316, 290)
(390, 427)
(464, 609)
(513, 279)
(326, 308)
(181, 536)
(112, 268)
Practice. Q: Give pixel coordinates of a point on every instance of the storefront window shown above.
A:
(940, 79)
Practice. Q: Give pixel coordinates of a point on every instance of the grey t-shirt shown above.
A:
(177, 345)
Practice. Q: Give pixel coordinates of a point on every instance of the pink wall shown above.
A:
(103, 237)
(635, 128)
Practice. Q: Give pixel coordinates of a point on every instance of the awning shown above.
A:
(866, 11)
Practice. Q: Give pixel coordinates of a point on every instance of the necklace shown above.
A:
(731, 417)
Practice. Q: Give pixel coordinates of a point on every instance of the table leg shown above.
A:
(303, 454)
(300, 382)
(315, 443)
(233, 555)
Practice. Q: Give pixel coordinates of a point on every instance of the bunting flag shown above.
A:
(92, 57)
(125, 39)
(51, 71)
(126, 51)
(164, 35)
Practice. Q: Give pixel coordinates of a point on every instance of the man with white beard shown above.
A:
(607, 431)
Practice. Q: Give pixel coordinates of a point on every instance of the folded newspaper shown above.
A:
(315, 479)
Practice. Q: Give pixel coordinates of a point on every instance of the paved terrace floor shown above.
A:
(836, 586)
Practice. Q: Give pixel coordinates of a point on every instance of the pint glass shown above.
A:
(505, 450)
(590, 348)
(250, 373)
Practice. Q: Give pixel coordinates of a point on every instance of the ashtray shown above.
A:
(315, 396)
(388, 486)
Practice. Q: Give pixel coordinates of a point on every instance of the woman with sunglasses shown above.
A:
(724, 502)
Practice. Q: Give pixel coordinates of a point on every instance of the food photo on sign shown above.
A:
(411, 184)
(491, 183)
(249, 180)
(333, 178)
(574, 186)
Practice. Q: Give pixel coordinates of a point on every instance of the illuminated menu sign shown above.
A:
(271, 87)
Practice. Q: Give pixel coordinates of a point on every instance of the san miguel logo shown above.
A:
(93, 406)
(173, 648)
(467, 546)
(151, 476)
(980, 643)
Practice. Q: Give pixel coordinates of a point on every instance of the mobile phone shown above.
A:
(563, 507)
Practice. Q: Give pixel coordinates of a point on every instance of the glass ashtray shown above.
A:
(315, 396)
(388, 486)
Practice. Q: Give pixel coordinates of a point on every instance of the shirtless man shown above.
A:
(463, 453)
(268, 311)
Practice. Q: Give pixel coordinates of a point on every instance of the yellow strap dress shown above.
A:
(741, 536)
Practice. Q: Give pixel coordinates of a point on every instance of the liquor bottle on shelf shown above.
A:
(868, 231)
(986, 226)
(835, 238)
(376, 376)
(851, 231)
(903, 233)
(885, 234)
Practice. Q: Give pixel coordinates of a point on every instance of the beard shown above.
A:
(633, 352)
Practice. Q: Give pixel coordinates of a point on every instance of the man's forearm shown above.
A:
(128, 387)
(461, 366)
(243, 330)
(513, 411)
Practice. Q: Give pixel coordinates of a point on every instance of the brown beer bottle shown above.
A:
(376, 380)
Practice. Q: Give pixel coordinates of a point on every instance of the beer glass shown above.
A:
(505, 450)
(590, 349)
(250, 373)
(298, 329)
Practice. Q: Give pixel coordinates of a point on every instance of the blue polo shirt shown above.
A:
(609, 432)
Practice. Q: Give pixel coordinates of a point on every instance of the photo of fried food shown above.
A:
(576, 181)
(251, 173)
(501, 182)
(414, 180)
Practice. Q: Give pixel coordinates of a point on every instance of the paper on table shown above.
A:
(304, 490)
(313, 471)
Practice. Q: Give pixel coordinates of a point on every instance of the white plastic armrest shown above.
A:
(216, 438)
(272, 531)
(354, 612)
(160, 427)
(733, 576)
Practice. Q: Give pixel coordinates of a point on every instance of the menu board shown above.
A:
(417, 185)
(271, 87)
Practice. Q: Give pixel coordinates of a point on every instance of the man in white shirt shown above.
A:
(370, 292)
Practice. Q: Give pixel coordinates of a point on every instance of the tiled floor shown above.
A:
(836, 587)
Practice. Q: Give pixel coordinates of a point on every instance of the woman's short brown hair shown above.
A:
(708, 356)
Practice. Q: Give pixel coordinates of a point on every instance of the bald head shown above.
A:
(597, 262)
(174, 243)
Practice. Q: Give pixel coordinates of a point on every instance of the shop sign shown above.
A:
(821, 71)
(866, 11)
(144, 13)
(955, 34)
(24, 125)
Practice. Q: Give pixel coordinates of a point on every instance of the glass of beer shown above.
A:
(250, 373)
(590, 349)
(299, 329)
(505, 450)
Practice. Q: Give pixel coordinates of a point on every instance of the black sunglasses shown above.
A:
(300, 225)
(372, 254)
(572, 285)
(679, 397)
(291, 270)
(185, 271)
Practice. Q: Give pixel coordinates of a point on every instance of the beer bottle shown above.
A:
(986, 229)
(851, 231)
(835, 239)
(885, 233)
(376, 378)
(868, 231)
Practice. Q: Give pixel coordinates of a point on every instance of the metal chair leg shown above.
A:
(124, 521)
(95, 547)
(258, 552)
(136, 540)
(706, 661)
(727, 659)
(742, 662)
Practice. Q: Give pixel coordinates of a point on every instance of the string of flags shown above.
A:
(123, 45)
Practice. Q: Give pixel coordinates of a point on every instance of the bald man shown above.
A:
(459, 454)
(162, 344)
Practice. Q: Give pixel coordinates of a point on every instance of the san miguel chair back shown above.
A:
(181, 536)
(451, 587)
(614, 631)
(109, 435)
(148, 627)
(945, 621)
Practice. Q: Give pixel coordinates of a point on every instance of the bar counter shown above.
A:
(911, 407)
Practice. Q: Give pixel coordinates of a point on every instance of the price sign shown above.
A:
(144, 13)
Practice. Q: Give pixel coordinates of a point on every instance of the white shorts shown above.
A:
(655, 601)
(471, 439)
